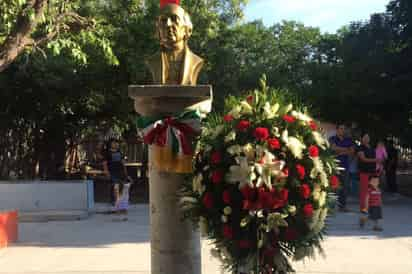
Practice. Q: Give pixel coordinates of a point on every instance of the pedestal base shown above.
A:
(175, 247)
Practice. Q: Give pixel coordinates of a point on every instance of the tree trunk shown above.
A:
(20, 36)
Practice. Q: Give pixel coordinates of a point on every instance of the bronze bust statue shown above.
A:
(176, 64)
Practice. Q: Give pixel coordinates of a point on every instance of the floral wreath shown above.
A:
(263, 182)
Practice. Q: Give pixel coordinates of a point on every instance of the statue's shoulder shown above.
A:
(196, 60)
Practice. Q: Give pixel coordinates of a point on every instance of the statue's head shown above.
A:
(174, 26)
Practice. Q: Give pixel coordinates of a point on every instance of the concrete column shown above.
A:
(175, 246)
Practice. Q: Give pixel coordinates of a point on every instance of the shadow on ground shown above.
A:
(100, 231)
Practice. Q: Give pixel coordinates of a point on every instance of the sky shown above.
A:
(328, 15)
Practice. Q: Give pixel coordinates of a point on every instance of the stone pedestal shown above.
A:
(175, 246)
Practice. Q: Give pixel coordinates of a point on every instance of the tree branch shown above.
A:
(20, 37)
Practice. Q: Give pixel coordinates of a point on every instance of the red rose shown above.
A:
(291, 234)
(249, 99)
(284, 194)
(334, 182)
(279, 198)
(217, 176)
(227, 232)
(285, 171)
(226, 197)
(313, 151)
(273, 143)
(243, 125)
(261, 133)
(264, 198)
(313, 125)
(308, 210)
(228, 118)
(243, 244)
(288, 118)
(305, 191)
(301, 171)
(208, 200)
(216, 157)
(248, 192)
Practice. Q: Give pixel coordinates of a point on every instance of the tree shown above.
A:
(30, 25)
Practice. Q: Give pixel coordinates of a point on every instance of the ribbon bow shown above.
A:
(174, 132)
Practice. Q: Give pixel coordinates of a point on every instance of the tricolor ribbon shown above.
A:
(176, 133)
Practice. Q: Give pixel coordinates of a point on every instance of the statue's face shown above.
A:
(172, 29)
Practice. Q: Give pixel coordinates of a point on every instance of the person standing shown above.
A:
(114, 168)
(343, 147)
(367, 168)
(391, 167)
(382, 156)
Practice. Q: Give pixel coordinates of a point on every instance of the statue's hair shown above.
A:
(188, 24)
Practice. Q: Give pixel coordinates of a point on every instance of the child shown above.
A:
(381, 155)
(374, 204)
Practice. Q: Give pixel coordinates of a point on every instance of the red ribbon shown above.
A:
(184, 132)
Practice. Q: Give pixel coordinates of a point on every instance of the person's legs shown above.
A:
(344, 179)
(363, 189)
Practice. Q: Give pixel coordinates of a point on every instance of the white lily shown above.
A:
(246, 108)
(235, 112)
(294, 144)
(234, 150)
(241, 173)
(268, 168)
(320, 140)
(270, 111)
(316, 193)
(288, 108)
(301, 116)
(324, 179)
(249, 151)
(322, 198)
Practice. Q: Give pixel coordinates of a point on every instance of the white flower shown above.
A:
(294, 144)
(301, 116)
(275, 131)
(230, 137)
(242, 173)
(227, 210)
(235, 112)
(234, 150)
(316, 193)
(324, 179)
(292, 210)
(296, 147)
(270, 111)
(267, 168)
(249, 151)
(288, 108)
(197, 184)
(322, 198)
(320, 140)
(246, 108)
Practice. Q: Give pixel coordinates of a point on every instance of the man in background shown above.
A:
(343, 147)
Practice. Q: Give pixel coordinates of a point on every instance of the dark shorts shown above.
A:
(375, 212)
